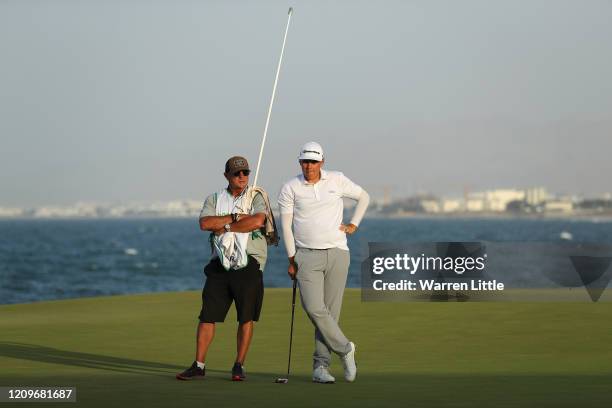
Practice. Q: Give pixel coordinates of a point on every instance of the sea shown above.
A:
(48, 259)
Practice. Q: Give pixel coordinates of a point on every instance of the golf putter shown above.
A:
(286, 380)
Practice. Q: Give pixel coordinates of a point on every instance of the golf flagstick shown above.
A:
(263, 141)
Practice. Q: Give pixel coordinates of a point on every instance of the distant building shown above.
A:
(451, 205)
(475, 202)
(563, 205)
(431, 206)
(535, 196)
(11, 212)
(498, 200)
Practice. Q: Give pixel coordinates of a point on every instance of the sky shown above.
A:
(119, 101)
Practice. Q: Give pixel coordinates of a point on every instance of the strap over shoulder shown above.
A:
(269, 229)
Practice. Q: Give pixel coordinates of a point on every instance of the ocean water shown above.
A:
(58, 259)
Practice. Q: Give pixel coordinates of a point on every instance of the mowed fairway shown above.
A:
(125, 350)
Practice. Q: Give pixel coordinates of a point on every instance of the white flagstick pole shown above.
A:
(263, 142)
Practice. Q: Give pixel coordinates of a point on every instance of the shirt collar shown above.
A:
(323, 177)
(229, 192)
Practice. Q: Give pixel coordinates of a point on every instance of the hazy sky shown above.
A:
(145, 100)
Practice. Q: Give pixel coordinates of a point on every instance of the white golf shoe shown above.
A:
(322, 375)
(348, 361)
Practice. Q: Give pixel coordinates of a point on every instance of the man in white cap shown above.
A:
(311, 208)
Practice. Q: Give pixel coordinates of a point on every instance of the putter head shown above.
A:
(281, 380)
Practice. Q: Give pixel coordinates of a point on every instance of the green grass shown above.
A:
(126, 349)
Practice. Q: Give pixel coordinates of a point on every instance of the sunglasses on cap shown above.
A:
(245, 172)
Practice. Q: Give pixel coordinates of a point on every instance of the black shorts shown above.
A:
(243, 286)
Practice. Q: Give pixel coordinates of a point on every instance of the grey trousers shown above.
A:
(321, 278)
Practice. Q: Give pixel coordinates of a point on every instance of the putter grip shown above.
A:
(290, 10)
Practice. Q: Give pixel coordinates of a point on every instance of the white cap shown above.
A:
(311, 151)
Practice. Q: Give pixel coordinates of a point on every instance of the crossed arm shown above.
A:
(247, 223)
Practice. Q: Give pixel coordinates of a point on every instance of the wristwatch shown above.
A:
(227, 227)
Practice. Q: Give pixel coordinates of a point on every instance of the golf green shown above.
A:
(125, 351)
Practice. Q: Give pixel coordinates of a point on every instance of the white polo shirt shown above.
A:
(317, 209)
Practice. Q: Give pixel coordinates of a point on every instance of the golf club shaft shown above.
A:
(291, 332)
(280, 61)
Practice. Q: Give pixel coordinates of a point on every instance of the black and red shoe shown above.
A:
(192, 373)
(238, 372)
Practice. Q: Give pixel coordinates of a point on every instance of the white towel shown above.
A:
(231, 246)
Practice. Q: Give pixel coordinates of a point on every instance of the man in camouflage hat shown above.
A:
(234, 273)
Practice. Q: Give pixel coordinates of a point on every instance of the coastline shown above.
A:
(591, 217)
(501, 216)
